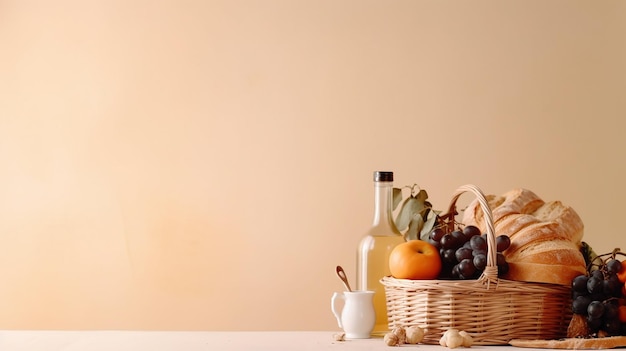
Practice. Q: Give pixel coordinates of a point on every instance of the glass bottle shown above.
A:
(374, 249)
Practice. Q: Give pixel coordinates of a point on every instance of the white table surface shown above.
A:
(25, 340)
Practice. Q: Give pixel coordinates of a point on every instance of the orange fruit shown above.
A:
(621, 275)
(415, 259)
(622, 314)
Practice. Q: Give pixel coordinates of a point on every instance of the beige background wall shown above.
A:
(206, 164)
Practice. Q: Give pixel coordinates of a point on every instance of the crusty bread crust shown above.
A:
(545, 236)
(527, 272)
(573, 343)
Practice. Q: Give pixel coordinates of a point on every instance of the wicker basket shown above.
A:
(491, 309)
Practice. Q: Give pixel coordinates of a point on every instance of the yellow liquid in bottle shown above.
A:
(374, 254)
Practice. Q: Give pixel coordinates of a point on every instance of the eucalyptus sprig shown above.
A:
(416, 216)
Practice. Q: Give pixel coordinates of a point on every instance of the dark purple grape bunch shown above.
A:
(464, 251)
(596, 296)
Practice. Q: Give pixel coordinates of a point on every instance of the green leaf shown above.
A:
(410, 207)
(422, 196)
(415, 226)
(431, 222)
(397, 197)
(588, 253)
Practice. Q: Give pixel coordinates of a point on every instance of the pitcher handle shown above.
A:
(333, 307)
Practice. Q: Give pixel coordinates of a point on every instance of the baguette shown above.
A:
(573, 343)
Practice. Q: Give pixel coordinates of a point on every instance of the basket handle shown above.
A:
(490, 274)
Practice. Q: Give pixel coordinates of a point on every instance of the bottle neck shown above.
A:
(383, 216)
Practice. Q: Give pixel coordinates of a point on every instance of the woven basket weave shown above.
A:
(492, 310)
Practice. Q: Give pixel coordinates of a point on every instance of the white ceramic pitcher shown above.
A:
(357, 318)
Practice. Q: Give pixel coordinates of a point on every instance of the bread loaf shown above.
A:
(545, 236)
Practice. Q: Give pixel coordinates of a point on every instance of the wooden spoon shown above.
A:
(343, 277)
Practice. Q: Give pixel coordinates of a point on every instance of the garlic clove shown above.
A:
(414, 335)
(391, 339)
(467, 339)
(400, 333)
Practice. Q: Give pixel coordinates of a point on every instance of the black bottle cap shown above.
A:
(380, 176)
